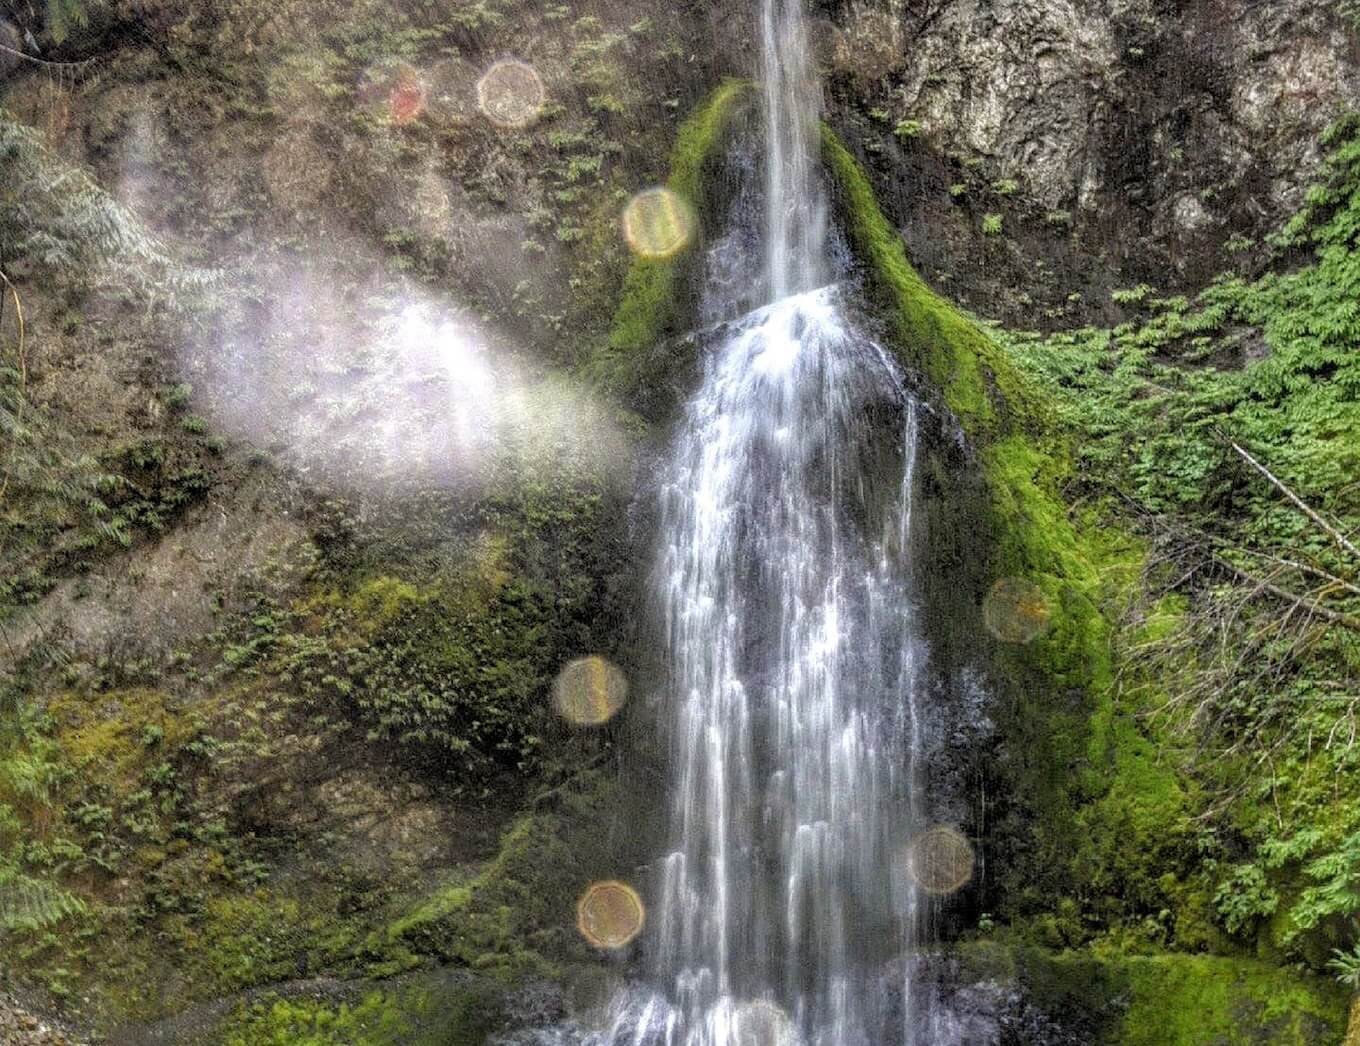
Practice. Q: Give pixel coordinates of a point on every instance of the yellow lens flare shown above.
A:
(610, 915)
(511, 94)
(1016, 611)
(940, 860)
(762, 1023)
(590, 691)
(658, 223)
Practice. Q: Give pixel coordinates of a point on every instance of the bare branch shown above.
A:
(1340, 538)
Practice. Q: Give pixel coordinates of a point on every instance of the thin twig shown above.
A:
(1326, 613)
(1298, 501)
(45, 63)
(23, 371)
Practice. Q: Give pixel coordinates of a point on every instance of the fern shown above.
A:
(27, 903)
(63, 15)
(1346, 966)
(1155, 406)
(55, 218)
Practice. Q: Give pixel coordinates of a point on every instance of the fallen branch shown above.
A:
(1334, 617)
(1340, 538)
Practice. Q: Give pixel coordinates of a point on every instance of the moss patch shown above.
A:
(1103, 810)
(652, 301)
(436, 1011)
(1167, 999)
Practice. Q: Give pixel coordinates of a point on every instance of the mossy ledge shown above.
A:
(653, 299)
(1103, 813)
(1167, 999)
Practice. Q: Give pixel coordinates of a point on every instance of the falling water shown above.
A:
(795, 206)
(783, 578)
(782, 912)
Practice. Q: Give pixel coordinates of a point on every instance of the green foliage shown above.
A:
(432, 1012)
(991, 225)
(906, 130)
(1262, 679)
(1346, 967)
(55, 218)
(1187, 1000)
(30, 777)
(27, 903)
(64, 15)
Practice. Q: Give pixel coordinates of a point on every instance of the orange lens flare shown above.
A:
(1016, 611)
(940, 860)
(590, 691)
(610, 915)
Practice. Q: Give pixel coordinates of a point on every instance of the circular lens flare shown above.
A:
(511, 94)
(940, 860)
(658, 223)
(1016, 611)
(610, 915)
(590, 691)
(762, 1023)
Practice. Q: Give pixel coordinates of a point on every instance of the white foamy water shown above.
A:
(794, 666)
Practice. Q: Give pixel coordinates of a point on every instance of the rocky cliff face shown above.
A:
(1120, 143)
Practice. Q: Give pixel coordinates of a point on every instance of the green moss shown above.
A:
(1105, 807)
(514, 917)
(1184, 1000)
(439, 1012)
(977, 381)
(651, 302)
(1165, 999)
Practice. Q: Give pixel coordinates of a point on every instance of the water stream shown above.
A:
(782, 912)
(783, 578)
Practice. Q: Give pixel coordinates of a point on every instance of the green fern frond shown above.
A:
(27, 903)
(63, 15)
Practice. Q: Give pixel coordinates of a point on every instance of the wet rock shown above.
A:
(19, 1027)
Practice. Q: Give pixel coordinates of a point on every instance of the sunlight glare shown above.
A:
(610, 915)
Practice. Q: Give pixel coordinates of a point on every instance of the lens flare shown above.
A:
(511, 94)
(394, 90)
(940, 860)
(590, 691)
(406, 98)
(762, 1023)
(610, 915)
(1015, 611)
(658, 223)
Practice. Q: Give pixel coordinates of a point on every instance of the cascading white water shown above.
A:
(793, 652)
(795, 206)
(794, 662)
(782, 913)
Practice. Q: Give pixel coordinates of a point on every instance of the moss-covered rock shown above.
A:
(1166, 999)
(657, 298)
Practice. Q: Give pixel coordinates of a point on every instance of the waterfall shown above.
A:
(795, 206)
(783, 579)
(782, 912)
(794, 665)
